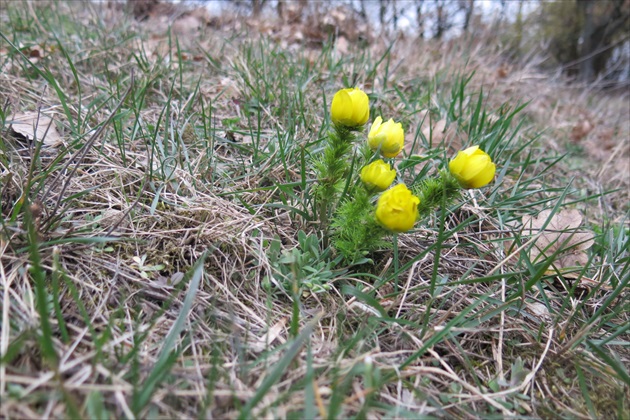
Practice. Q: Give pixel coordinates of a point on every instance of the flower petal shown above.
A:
(484, 178)
(474, 166)
(375, 126)
(341, 108)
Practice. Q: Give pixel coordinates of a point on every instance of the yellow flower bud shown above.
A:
(378, 175)
(389, 136)
(397, 208)
(472, 167)
(350, 107)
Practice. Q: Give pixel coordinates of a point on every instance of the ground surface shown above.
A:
(152, 260)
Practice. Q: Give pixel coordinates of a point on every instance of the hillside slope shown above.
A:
(163, 255)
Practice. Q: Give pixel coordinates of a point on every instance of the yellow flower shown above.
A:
(378, 175)
(397, 208)
(350, 107)
(389, 136)
(472, 167)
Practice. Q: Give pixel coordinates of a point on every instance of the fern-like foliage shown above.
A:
(432, 192)
(356, 233)
(332, 170)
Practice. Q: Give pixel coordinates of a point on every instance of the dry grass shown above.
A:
(203, 158)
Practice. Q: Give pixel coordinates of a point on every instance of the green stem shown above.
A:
(331, 169)
(396, 262)
(436, 192)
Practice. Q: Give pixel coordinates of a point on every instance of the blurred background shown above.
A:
(587, 40)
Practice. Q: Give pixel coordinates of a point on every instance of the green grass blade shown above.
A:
(167, 357)
(38, 274)
(275, 374)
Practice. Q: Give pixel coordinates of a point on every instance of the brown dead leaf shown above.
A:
(606, 136)
(415, 148)
(492, 118)
(34, 125)
(296, 37)
(343, 46)
(503, 71)
(561, 235)
(585, 284)
(33, 52)
(274, 333)
(434, 131)
(581, 130)
(441, 134)
(538, 309)
(187, 25)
